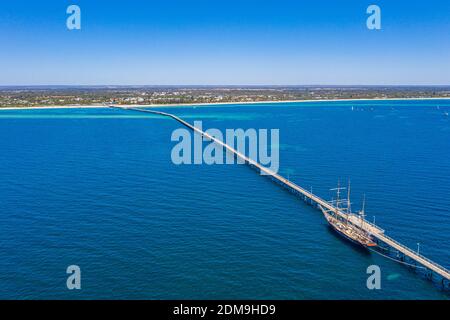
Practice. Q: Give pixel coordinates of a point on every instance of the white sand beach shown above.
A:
(212, 103)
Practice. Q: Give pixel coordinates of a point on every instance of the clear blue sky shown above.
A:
(224, 42)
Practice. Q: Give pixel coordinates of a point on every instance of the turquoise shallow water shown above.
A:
(96, 188)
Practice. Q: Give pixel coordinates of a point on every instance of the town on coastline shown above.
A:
(35, 96)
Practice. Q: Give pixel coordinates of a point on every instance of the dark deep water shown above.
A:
(97, 188)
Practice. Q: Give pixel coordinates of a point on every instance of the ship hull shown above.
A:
(344, 236)
(348, 233)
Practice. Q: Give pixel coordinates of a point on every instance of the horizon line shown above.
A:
(223, 85)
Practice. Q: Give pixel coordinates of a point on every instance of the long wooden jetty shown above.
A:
(357, 220)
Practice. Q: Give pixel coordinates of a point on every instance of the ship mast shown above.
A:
(338, 192)
(338, 199)
(349, 210)
(362, 212)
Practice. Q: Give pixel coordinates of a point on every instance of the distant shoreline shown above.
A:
(174, 105)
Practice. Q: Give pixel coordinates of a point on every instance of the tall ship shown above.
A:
(338, 220)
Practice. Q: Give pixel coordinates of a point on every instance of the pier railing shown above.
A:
(415, 253)
(366, 222)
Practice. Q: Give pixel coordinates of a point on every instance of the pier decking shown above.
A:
(369, 227)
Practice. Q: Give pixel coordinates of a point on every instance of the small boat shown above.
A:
(339, 222)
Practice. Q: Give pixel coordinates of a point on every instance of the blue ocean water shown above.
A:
(97, 188)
